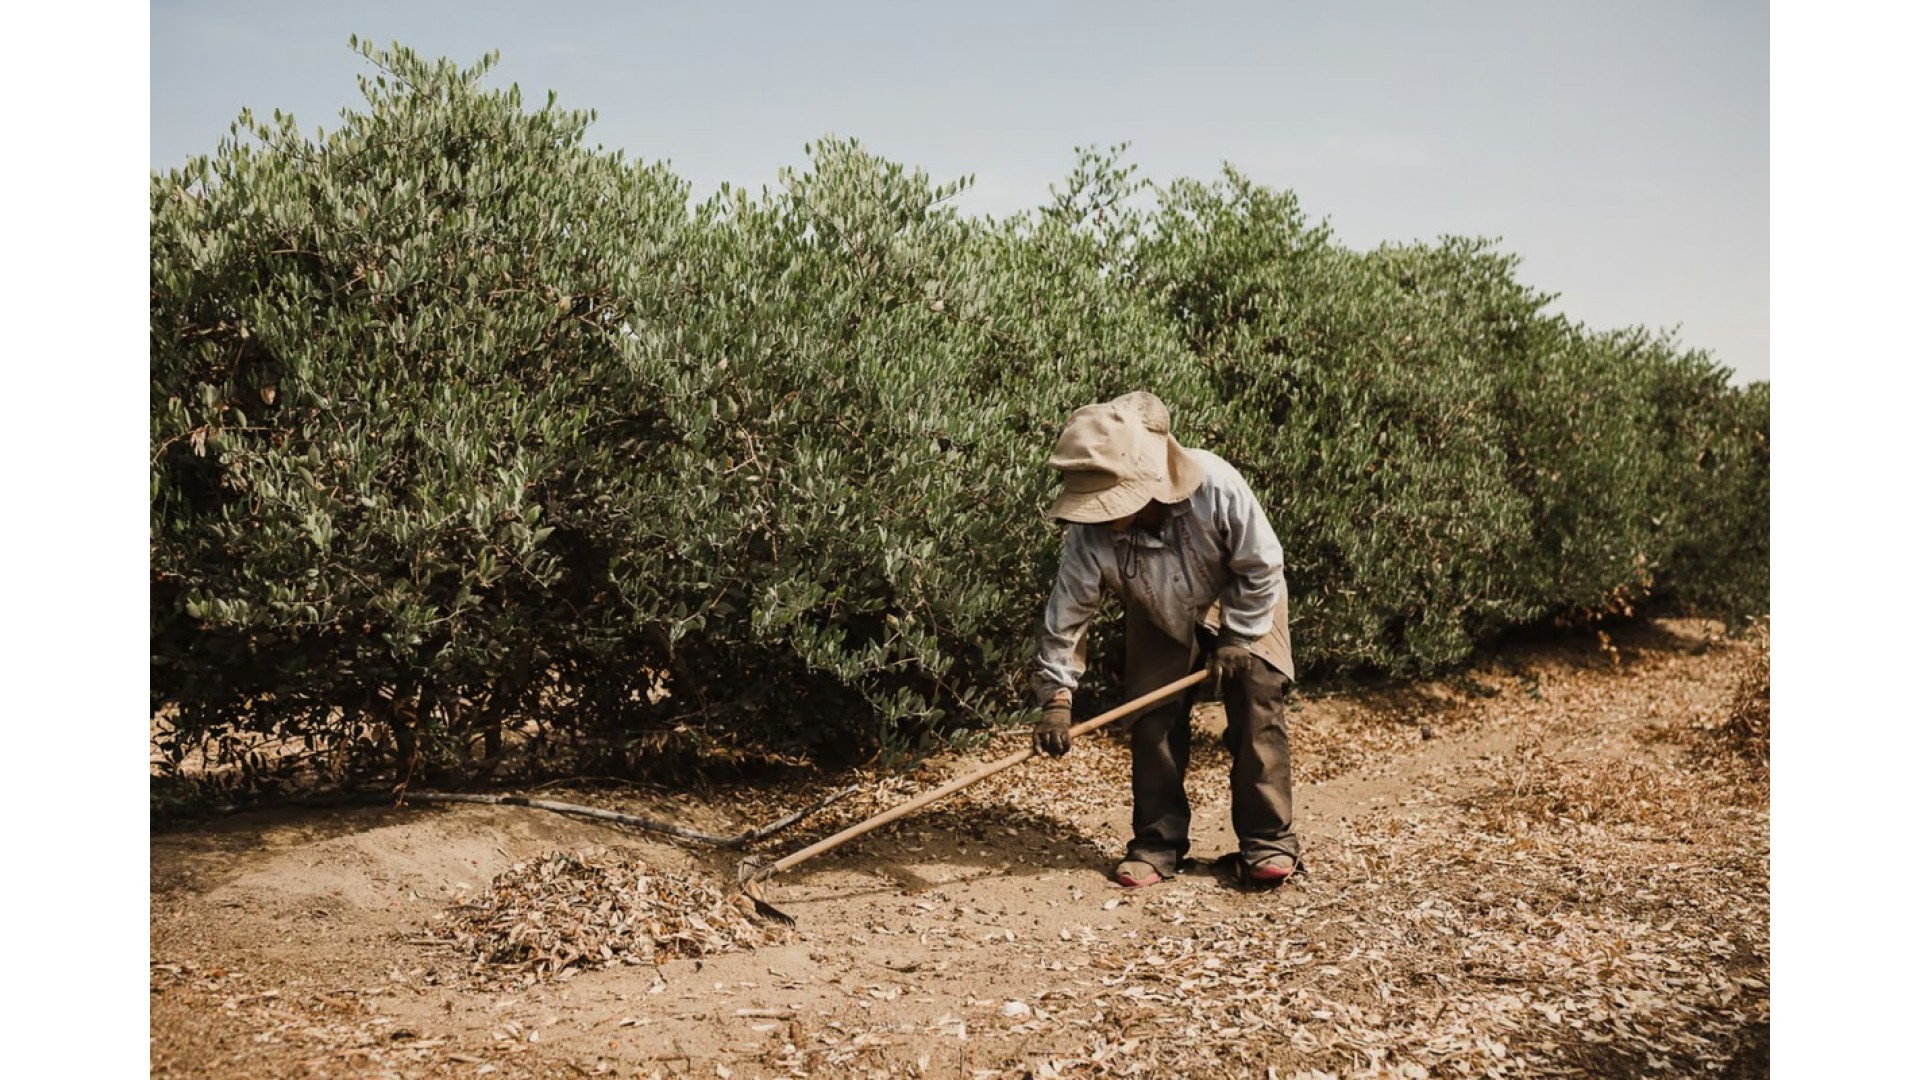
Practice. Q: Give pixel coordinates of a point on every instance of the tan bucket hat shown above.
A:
(1117, 456)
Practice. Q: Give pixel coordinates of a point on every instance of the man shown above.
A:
(1179, 535)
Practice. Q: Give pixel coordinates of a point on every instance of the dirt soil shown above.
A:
(1554, 864)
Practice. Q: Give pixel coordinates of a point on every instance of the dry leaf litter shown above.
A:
(1557, 907)
(1578, 888)
(555, 916)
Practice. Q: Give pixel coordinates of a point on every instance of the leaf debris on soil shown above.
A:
(1568, 878)
(1570, 902)
(570, 911)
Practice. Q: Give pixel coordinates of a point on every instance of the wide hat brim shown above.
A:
(1116, 457)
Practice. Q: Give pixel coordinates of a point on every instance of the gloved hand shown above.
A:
(1230, 662)
(1053, 734)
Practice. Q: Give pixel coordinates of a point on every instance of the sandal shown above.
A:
(1137, 874)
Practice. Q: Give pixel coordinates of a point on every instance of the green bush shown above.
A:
(458, 422)
(836, 529)
(1358, 391)
(1446, 459)
(1719, 506)
(377, 360)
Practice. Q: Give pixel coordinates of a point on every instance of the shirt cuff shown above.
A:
(1043, 690)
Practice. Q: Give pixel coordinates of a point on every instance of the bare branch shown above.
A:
(665, 828)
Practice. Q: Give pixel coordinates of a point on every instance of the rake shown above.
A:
(753, 874)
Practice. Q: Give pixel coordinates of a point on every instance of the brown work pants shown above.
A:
(1256, 736)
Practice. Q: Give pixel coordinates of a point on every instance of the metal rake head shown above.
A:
(751, 874)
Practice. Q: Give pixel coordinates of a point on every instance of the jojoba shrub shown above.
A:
(461, 425)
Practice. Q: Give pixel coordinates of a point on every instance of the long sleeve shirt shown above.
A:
(1215, 546)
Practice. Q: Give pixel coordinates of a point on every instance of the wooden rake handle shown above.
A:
(972, 778)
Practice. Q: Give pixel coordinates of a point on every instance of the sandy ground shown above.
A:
(1545, 866)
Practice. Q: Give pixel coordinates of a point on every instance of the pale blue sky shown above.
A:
(1620, 148)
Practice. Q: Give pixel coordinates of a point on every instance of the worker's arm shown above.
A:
(1063, 626)
(1257, 578)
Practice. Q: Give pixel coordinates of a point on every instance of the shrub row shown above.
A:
(458, 421)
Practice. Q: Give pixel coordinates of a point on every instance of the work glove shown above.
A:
(1230, 662)
(1053, 735)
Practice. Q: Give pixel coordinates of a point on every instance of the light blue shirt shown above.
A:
(1216, 545)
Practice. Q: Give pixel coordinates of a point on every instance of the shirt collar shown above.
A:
(1156, 540)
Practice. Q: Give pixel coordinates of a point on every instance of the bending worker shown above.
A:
(1178, 534)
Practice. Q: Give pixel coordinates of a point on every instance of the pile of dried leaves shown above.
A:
(1750, 721)
(571, 911)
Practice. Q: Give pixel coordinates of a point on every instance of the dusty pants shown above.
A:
(1261, 778)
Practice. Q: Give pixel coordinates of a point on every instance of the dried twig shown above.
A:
(666, 828)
